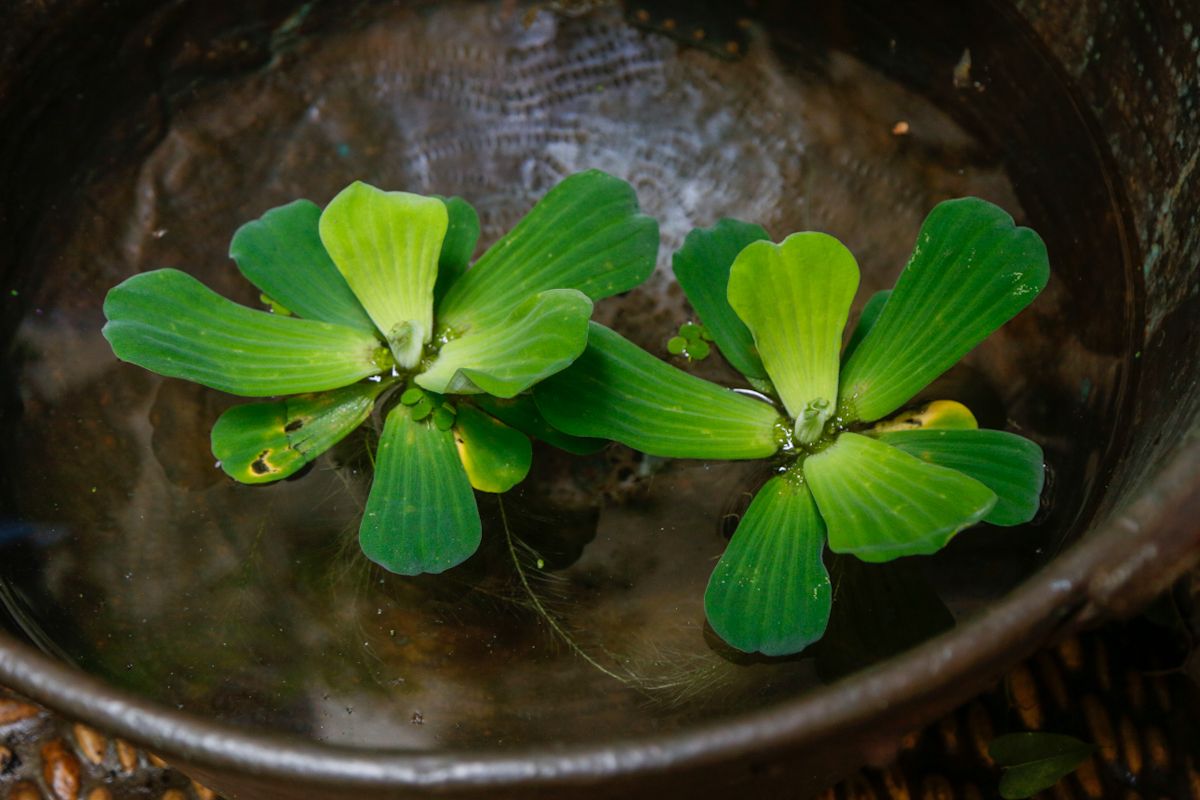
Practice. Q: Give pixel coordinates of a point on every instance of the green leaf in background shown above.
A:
(971, 271)
(264, 442)
(281, 253)
(795, 297)
(462, 234)
(770, 591)
(1034, 762)
(618, 391)
(421, 514)
(702, 268)
(495, 456)
(585, 234)
(168, 322)
(866, 321)
(938, 414)
(387, 246)
(1011, 466)
(541, 336)
(881, 503)
(521, 412)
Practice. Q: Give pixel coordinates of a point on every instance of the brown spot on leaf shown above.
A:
(260, 466)
(293, 426)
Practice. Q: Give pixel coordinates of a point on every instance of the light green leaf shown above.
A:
(462, 234)
(866, 321)
(168, 322)
(971, 271)
(281, 253)
(387, 245)
(495, 456)
(521, 412)
(1011, 466)
(421, 514)
(585, 234)
(1034, 762)
(264, 442)
(795, 297)
(618, 391)
(541, 336)
(702, 269)
(881, 503)
(770, 591)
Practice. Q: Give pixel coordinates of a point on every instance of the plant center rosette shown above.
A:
(372, 304)
(856, 470)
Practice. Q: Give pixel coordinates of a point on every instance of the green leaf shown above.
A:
(168, 322)
(421, 514)
(936, 414)
(585, 234)
(770, 591)
(521, 412)
(462, 234)
(971, 271)
(702, 268)
(618, 391)
(1034, 762)
(495, 456)
(281, 253)
(264, 442)
(541, 336)
(866, 321)
(881, 503)
(795, 297)
(387, 245)
(1011, 466)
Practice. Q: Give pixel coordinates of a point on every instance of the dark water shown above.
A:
(123, 548)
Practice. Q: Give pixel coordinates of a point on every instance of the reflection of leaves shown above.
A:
(179, 417)
(1036, 761)
(879, 610)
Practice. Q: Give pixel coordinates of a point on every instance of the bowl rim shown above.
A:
(1134, 552)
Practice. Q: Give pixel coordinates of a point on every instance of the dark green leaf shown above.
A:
(795, 297)
(264, 442)
(866, 321)
(522, 413)
(618, 391)
(1011, 466)
(770, 591)
(702, 269)
(585, 234)
(541, 336)
(421, 514)
(880, 503)
(168, 322)
(495, 456)
(1035, 762)
(281, 253)
(971, 271)
(387, 246)
(462, 234)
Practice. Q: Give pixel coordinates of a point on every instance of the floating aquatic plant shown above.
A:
(372, 299)
(853, 473)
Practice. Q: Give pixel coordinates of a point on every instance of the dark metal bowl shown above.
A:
(1133, 69)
